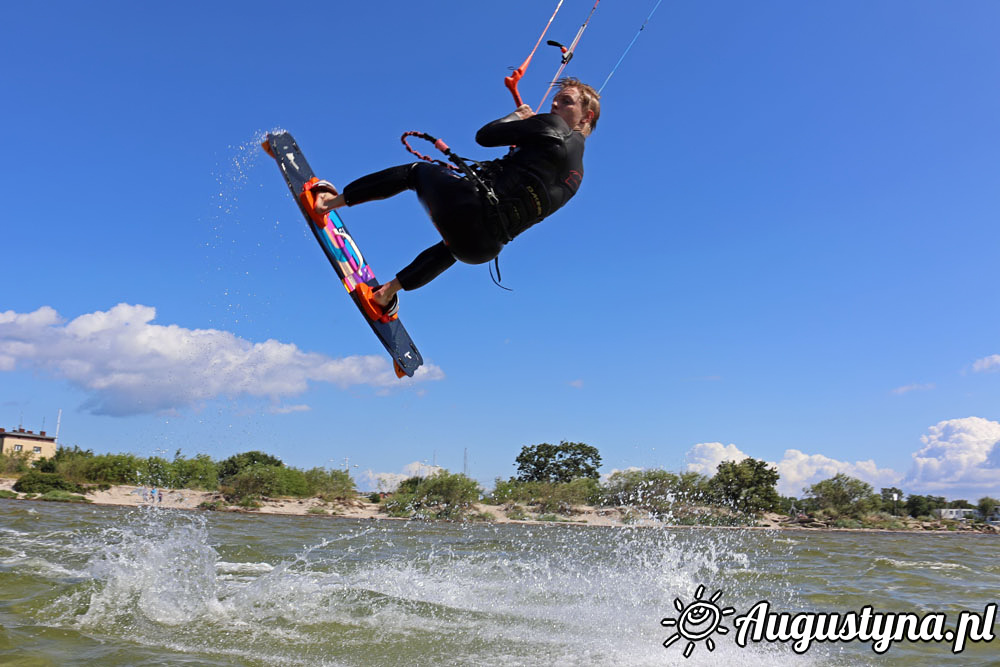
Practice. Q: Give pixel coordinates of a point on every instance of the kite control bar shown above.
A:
(511, 81)
(567, 55)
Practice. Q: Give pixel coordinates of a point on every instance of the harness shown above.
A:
(491, 203)
(460, 165)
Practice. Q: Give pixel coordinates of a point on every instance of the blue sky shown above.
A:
(785, 245)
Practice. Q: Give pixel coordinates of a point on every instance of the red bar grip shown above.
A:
(511, 83)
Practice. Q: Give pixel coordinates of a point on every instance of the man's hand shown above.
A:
(524, 111)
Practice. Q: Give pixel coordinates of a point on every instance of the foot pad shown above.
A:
(373, 310)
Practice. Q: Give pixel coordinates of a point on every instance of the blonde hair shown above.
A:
(590, 99)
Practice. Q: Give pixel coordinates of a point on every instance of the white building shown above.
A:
(956, 514)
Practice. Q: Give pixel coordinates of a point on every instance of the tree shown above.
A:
(157, 472)
(443, 495)
(237, 462)
(747, 486)
(45, 465)
(557, 463)
(260, 480)
(844, 494)
(692, 486)
(986, 506)
(789, 505)
(918, 506)
(42, 482)
(891, 498)
(330, 484)
(200, 472)
(638, 487)
(65, 453)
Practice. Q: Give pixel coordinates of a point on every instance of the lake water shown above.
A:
(116, 586)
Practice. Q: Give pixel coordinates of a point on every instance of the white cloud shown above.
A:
(796, 469)
(705, 457)
(576, 384)
(387, 482)
(987, 364)
(959, 457)
(800, 470)
(127, 365)
(899, 391)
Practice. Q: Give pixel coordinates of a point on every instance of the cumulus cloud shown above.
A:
(705, 457)
(387, 482)
(959, 456)
(796, 469)
(127, 365)
(800, 470)
(987, 364)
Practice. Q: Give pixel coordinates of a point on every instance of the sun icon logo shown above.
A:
(697, 621)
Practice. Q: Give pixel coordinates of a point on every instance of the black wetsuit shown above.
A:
(532, 181)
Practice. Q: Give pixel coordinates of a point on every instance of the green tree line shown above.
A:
(550, 478)
(241, 478)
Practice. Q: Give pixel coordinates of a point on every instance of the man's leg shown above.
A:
(380, 185)
(427, 266)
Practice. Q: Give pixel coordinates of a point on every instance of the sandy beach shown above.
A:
(188, 499)
(361, 508)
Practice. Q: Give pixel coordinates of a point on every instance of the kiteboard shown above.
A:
(343, 253)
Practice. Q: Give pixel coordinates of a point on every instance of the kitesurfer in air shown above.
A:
(540, 174)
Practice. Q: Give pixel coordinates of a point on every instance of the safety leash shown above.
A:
(460, 165)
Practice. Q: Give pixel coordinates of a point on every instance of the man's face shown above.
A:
(566, 104)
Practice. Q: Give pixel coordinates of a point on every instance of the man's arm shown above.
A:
(515, 127)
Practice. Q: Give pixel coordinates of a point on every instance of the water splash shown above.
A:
(153, 586)
(161, 569)
(376, 593)
(234, 249)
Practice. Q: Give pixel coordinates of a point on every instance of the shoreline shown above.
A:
(124, 495)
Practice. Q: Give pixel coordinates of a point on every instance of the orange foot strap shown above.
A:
(309, 203)
(368, 304)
